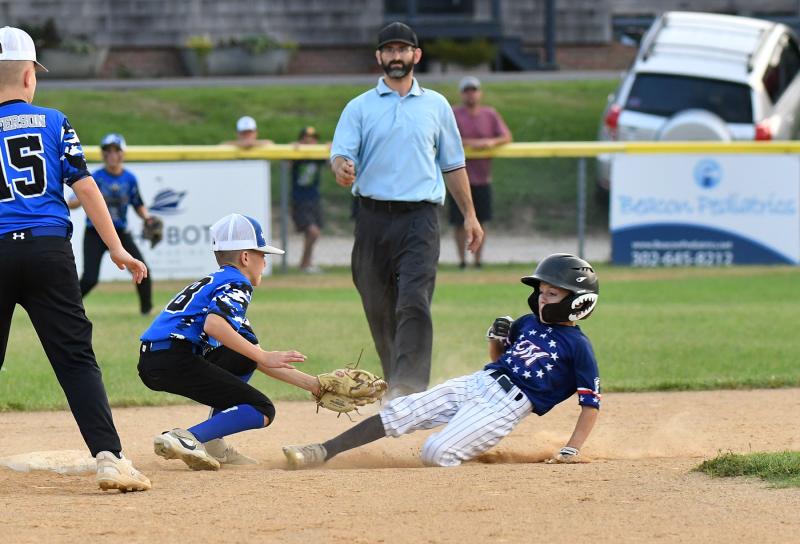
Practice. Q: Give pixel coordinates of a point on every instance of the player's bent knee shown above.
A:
(268, 409)
(435, 454)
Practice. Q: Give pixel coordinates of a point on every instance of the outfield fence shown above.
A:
(521, 150)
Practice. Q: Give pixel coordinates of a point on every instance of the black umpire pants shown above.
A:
(93, 250)
(39, 274)
(395, 254)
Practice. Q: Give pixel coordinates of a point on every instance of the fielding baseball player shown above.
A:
(40, 154)
(120, 189)
(539, 360)
(203, 347)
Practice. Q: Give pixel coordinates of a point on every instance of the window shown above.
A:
(666, 95)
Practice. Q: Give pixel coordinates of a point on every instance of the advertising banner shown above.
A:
(189, 197)
(697, 210)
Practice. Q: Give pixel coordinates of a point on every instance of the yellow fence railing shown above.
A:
(511, 151)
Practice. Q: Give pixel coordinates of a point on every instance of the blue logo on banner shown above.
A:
(708, 173)
(168, 202)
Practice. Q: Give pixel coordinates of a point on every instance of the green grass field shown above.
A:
(662, 329)
(781, 469)
(529, 193)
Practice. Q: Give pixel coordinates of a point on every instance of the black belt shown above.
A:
(392, 206)
(501, 378)
(36, 232)
(161, 345)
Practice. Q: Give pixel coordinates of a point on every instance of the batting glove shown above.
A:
(500, 329)
(566, 455)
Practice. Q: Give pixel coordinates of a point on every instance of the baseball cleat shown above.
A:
(312, 455)
(181, 444)
(227, 454)
(115, 473)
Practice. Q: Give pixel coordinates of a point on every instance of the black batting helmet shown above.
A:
(567, 272)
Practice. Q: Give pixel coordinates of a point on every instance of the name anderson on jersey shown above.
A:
(30, 120)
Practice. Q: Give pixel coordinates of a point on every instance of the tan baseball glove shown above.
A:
(345, 389)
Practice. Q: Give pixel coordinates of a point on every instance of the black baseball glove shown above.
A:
(153, 230)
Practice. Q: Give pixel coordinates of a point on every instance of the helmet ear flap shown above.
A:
(533, 301)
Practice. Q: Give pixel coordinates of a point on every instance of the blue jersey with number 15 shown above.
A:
(40, 153)
(225, 292)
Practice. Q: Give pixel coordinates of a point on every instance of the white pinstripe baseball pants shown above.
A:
(476, 411)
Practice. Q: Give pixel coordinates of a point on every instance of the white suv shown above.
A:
(702, 76)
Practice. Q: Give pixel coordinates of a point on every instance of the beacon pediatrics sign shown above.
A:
(700, 210)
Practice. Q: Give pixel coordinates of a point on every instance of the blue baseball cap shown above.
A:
(113, 139)
(237, 231)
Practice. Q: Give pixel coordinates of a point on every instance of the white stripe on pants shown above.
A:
(476, 410)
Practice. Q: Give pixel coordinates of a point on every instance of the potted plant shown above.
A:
(250, 55)
(463, 56)
(72, 57)
(195, 54)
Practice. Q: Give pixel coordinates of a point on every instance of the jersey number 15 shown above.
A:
(25, 156)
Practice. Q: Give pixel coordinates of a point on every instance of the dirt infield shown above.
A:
(638, 487)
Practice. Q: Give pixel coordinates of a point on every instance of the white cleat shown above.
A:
(181, 444)
(115, 473)
(311, 455)
(227, 454)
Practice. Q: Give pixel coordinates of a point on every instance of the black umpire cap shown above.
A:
(397, 32)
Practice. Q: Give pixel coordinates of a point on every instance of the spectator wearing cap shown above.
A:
(481, 127)
(120, 189)
(306, 204)
(247, 134)
(397, 147)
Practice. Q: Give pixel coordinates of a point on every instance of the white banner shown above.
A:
(189, 197)
(696, 210)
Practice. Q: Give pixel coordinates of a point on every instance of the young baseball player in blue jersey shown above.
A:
(41, 153)
(538, 361)
(120, 189)
(202, 347)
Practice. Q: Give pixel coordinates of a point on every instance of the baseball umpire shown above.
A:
(40, 153)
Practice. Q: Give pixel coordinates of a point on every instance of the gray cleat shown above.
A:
(311, 455)
(226, 454)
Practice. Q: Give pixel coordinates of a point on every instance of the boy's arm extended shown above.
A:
(220, 329)
(583, 427)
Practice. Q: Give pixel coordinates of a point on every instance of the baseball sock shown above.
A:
(369, 430)
(233, 420)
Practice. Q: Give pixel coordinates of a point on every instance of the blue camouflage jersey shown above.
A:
(119, 192)
(40, 154)
(550, 363)
(226, 293)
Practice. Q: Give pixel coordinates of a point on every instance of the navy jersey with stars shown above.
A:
(550, 363)
(119, 192)
(40, 153)
(226, 293)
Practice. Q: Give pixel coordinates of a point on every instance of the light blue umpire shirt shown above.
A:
(400, 145)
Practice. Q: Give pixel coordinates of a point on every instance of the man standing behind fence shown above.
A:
(398, 145)
(481, 127)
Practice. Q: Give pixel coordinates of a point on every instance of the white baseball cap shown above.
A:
(113, 139)
(16, 44)
(236, 231)
(245, 123)
(469, 82)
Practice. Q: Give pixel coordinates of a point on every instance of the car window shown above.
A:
(666, 95)
(782, 70)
